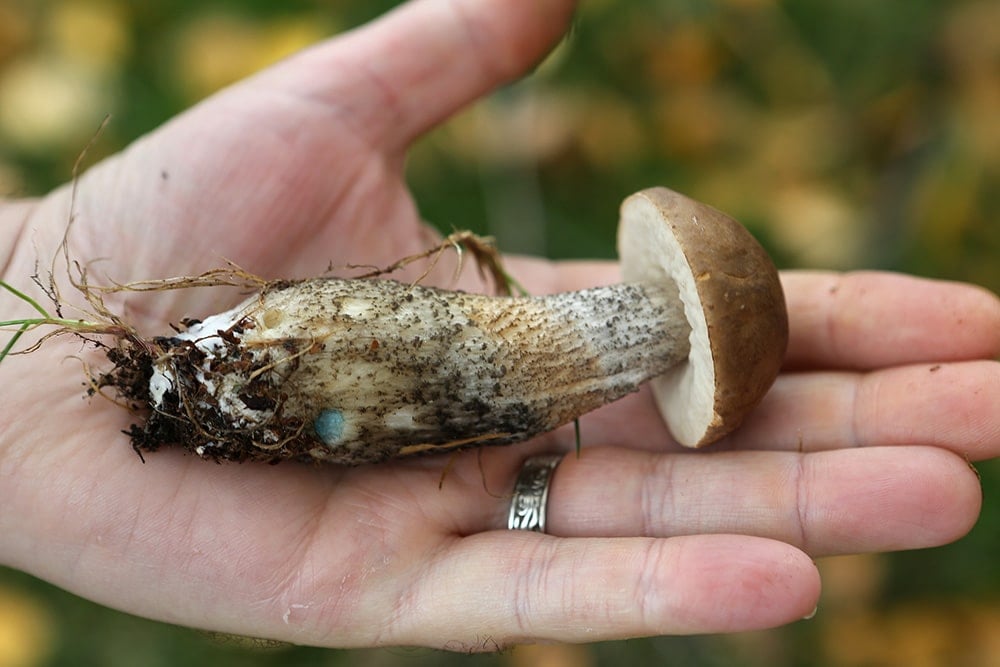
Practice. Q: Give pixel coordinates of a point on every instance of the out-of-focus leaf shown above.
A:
(26, 630)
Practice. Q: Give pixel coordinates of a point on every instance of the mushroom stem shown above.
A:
(367, 370)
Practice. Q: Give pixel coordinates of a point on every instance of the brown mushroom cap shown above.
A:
(732, 299)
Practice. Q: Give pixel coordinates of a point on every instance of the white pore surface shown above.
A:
(650, 254)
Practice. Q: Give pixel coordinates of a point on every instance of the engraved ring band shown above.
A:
(531, 494)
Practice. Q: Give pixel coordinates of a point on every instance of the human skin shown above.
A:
(864, 443)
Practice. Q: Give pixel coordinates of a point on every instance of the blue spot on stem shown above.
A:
(329, 426)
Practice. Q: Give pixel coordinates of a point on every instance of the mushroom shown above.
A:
(355, 371)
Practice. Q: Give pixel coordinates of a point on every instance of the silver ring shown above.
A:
(531, 494)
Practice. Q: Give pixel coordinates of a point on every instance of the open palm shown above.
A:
(861, 445)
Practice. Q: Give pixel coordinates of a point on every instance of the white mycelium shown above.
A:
(207, 336)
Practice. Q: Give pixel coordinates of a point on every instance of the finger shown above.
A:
(854, 320)
(498, 588)
(406, 72)
(953, 406)
(849, 501)
(869, 320)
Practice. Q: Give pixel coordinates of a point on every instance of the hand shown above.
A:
(862, 445)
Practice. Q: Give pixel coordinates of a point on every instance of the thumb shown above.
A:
(400, 75)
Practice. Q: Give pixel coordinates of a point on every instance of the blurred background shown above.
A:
(844, 133)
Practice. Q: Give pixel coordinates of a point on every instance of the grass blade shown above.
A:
(13, 340)
(24, 297)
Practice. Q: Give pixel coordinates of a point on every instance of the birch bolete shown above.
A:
(358, 371)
